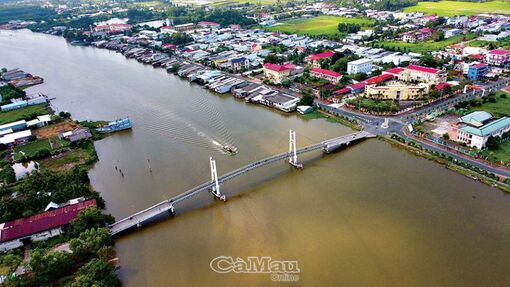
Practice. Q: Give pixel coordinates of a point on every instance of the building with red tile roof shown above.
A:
(498, 57)
(379, 79)
(328, 75)
(414, 73)
(314, 59)
(342, 91)
(441, 86)
(208, 24)
(394, 71)
(278, 73)
(44, 224)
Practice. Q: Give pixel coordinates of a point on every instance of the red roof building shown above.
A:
(315, 59)
(393, 71)
(498, 57)
(342, 91)
(208, 24)
(379, 79)
(358, 88)
(414, 73)
(330, 76)
(278, 73)
(441, 86)
(278, 67)
(422, 69)
(25, 227)
(169, 46)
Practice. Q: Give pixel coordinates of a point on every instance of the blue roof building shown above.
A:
(475, 128)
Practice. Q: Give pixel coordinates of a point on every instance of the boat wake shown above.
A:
(182, 128)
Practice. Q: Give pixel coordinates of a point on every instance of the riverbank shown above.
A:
(45, 176)
(463, 168)
(357, 209)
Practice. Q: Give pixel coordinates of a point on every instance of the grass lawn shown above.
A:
(498, 109)
(501, 154)
(261, 2)
(148, 4)
(502, 43)
(31, 148)
(453, 8)
(322, 25)
(427, 46)
(67, 161)
(23, 114)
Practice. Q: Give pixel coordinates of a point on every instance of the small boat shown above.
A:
(231, 150)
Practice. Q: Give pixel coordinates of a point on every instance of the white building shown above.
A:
(361, 66)
(475, 129)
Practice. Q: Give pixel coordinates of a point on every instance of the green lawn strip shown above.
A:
(498, 109)
(453, 8)
(321, 25)
(427, 46)
(30, 149)
(26, 113)
(68, 160)
(501, 154)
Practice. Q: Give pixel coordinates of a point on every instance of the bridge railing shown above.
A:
(143, 214)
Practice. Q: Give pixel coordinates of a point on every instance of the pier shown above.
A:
(168, 206)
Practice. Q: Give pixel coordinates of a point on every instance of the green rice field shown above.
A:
(322, 25)
(453, 8)
(424, 47)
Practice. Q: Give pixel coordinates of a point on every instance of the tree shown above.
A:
(272, 58)
(178, 38)
(90, 242)
(428, 60)
(306, 100)
(492, 143)
(446, 136)
(96, 273)
(49, 266)
(89, 218)
(174, 68)
(286, 83)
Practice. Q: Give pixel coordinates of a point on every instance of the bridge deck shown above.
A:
(138, 218)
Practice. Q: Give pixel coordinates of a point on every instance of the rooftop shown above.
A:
(326, 72)
(500, 52)
(394, 71)
(324, 55)
(360, 61)
(48, 220)
(489, 128)
(378, 79)
(422, 69)
(476, 117)
(278, 67)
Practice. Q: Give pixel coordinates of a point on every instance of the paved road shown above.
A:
(398, 124)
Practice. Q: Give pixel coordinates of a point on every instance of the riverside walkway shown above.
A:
(167, 206)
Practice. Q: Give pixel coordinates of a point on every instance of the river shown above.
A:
(370, 215)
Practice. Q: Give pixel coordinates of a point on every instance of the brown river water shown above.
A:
(370, 215)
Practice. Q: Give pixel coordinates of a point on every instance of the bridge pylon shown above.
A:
(214, 179)
(292, 150)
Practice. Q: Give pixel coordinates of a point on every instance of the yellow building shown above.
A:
(413, 73)
(277, 73)
(397, 92)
